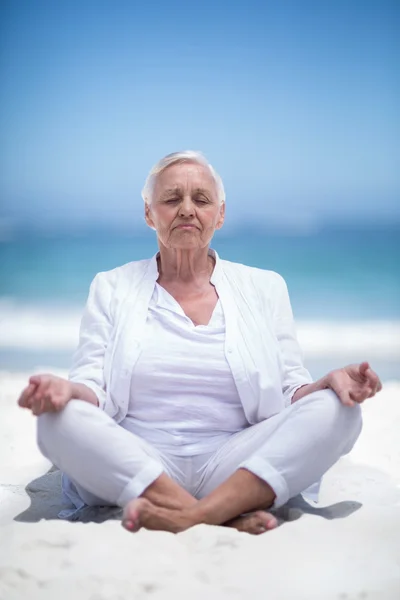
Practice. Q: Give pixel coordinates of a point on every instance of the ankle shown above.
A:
(195, 514)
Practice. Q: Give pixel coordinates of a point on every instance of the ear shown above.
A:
(221, 218)
(147, 216)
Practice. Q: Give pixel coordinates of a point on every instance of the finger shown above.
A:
(57, 401)
(37, 406)
(36, 379)
(363, 368)
(39, 397)
(51, 404)
(44, 404)
(374, 381)
(344, 397)
(356, 372)
(359, 395)
(371, 375)
(42, 390)
(42, 381)
(375, 389)
(25, 397)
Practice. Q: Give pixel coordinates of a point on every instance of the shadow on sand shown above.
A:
(46, 502)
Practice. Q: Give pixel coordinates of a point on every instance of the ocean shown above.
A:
(344, 285)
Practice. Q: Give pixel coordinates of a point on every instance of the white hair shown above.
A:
(190, 156)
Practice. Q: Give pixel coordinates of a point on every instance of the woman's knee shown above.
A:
(347, 420)
(353, 422)
(53, 425)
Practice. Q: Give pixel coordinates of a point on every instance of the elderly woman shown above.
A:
(187, 401)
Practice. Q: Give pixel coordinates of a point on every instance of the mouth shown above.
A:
(186, 227)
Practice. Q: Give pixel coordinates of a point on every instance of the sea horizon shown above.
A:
(343, 283)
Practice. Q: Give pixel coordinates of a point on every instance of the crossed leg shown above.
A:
(260, 467)
(241, 493)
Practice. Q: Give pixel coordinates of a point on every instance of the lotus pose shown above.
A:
(187, 401)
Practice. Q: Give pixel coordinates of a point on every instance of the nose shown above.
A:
(186, 208)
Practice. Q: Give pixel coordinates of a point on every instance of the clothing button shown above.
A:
(230, 350)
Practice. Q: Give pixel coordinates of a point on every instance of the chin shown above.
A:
(184, 243)
(186, 246)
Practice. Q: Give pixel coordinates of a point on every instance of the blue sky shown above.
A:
(294, 103)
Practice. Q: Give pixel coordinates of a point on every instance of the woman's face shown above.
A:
(185, 210)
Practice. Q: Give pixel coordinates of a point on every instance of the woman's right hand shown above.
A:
(46, 393)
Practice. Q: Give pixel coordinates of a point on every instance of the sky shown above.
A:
(295, 103)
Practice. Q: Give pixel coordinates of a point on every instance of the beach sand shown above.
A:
(347, 547)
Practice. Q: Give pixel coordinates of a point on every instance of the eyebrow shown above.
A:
(170, 191)
(202, 191)
(177, 189)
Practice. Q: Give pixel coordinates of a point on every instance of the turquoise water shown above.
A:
(344, 286)
(333, 274)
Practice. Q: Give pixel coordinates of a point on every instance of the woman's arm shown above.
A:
(80, 391)
(294, 375)
(352, 384)
(86, 381)
(309, 388)
(87, 371)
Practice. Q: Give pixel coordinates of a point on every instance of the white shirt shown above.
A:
(261, 346)
(183, 398)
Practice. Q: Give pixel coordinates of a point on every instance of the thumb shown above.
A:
(35, 379)
(363, 368)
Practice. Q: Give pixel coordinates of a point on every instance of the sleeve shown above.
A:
(294, 374)
(94, 334)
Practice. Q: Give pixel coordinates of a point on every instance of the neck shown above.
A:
(176, 265)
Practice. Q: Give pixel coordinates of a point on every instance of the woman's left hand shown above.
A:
(354, 383)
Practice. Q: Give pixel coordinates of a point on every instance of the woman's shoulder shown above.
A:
(257, 285)
(254, 275)
(127, 270)
(121, 277)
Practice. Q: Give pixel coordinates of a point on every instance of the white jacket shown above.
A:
(260, 341)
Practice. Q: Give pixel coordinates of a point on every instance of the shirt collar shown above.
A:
(152, 271)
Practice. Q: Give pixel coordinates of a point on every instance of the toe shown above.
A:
(255, 523)
(131, 523)
(265, 521)
(128, 524)
(131, 515)
(272, 521)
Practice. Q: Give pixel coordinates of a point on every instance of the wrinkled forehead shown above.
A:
(185, 176)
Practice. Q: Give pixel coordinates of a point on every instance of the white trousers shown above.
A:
(110, 465)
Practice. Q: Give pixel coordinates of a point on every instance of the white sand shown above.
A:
(347, 548)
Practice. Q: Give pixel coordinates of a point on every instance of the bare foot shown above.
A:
(142, 513)
(255, 523)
